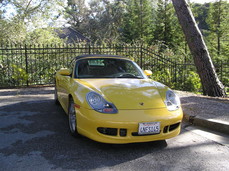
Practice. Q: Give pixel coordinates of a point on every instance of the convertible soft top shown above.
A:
(95, 55)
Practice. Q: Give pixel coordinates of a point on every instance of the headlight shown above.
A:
(172, 100)
(99, 104)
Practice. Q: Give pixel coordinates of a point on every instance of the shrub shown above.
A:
(192, 82)
(19, 75)
(164, 77)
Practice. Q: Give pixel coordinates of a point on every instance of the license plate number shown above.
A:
(149, 128)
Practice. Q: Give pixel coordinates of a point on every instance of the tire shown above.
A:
(72, 119)
(56, 97)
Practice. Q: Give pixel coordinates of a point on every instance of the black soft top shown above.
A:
(107, 56)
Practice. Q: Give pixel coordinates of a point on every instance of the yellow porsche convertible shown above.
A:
(110, 99)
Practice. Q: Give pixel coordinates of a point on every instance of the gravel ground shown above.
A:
(205, 107)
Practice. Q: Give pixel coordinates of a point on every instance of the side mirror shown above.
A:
(64, 71)
(148, 72)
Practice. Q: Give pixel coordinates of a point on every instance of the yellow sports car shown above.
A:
(110, 99)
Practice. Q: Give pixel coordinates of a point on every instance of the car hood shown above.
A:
(127, 93)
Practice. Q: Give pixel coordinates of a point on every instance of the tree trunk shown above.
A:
(209, 79)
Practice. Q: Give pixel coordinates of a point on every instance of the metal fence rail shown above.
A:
(27, 65)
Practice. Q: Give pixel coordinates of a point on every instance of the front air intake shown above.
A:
(174, 126)
(108, 131)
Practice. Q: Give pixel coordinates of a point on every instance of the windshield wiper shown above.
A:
(129, 76)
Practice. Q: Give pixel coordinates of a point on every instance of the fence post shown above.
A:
(175, 72)
(141, 56)
(89, 49)
(26, 65)
(221, 70)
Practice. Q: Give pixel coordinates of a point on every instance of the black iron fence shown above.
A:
(27, 65)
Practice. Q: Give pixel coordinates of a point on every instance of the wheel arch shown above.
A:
(70, 97)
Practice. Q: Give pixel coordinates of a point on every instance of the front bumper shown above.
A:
(122, 127)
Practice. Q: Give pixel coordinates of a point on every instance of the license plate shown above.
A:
(149, 128)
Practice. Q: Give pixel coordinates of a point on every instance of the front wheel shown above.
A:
(72, 120)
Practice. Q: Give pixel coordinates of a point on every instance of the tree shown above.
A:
(138, 23)
(218, 20)
(99, 21)
(167, 29)
(113, 17)
(209, 79)
(28, 15)
(163, 23)
(201, 12)
(107, 17)
(77, 14)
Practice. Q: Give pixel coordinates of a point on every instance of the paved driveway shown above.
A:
(34, 136)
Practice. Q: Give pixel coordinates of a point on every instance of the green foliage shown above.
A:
(167, 28)
(100, 21)
(43, 36)
(19, 76)
(192, 82)
(27, 18)
(227, 90)
(12, 31)
(138, 22)
(44, 60)
(78, 14)
(201, 12)
(218, 34)
(164, 77)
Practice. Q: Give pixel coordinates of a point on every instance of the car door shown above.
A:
(65, 85)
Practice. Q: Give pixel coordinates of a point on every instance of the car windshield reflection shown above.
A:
(107, 68)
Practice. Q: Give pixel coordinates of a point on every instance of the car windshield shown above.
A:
(107, 68)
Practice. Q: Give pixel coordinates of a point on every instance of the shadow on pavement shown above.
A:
(41, 128)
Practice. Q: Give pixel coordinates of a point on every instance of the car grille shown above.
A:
(122, 132)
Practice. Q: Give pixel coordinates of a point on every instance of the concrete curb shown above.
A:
(211, 124)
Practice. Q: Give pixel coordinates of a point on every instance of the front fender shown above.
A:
(78, 92)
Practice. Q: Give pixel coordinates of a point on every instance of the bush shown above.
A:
(164, 77)
(192, 82)
(19, 75)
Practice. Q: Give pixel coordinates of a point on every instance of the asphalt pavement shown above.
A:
(34, 135)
